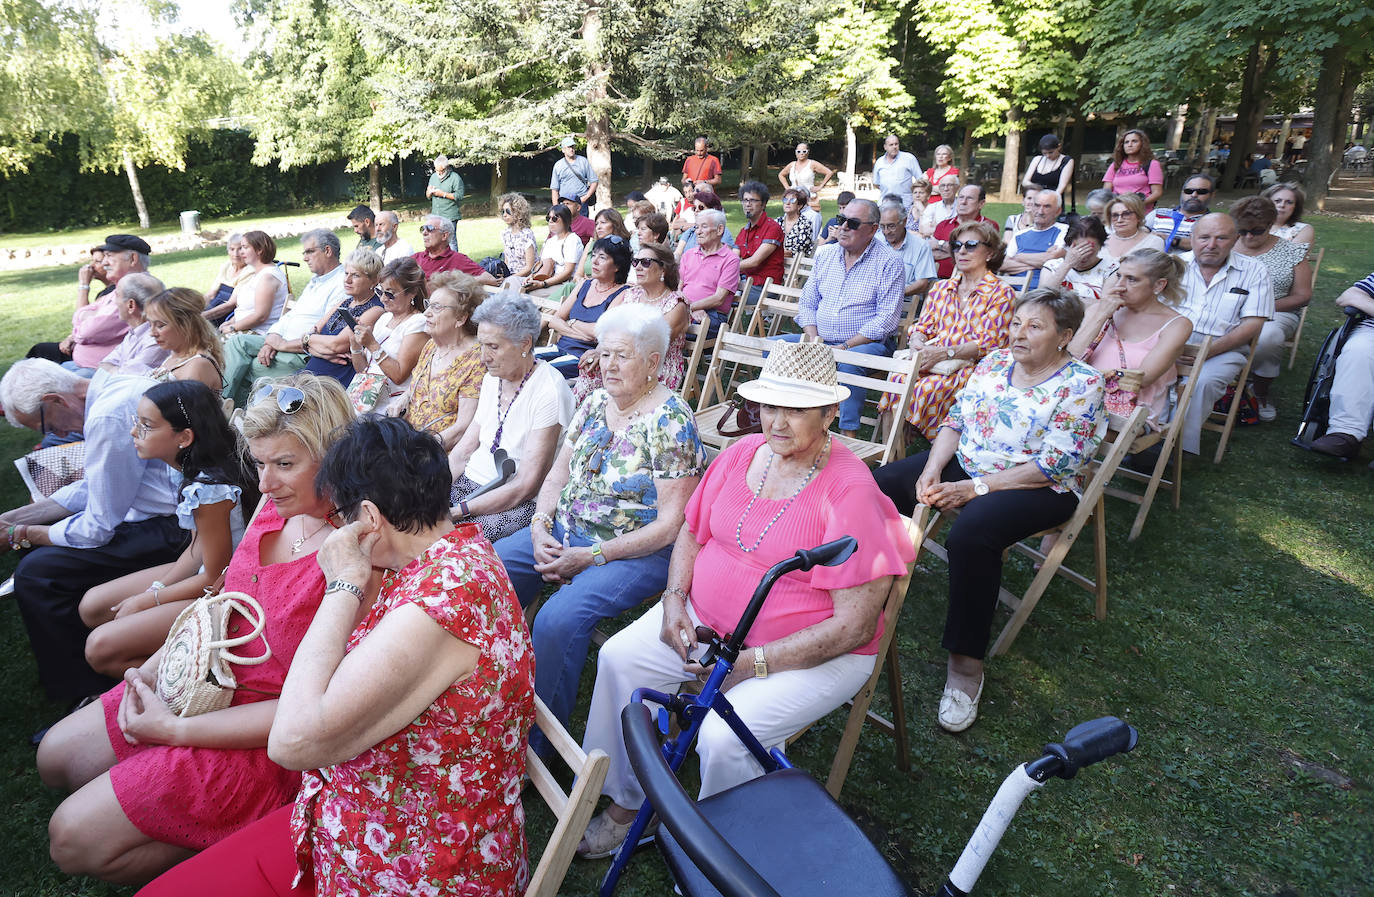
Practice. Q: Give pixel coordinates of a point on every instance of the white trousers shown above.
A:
(1269, 351)
(1352, 391)
(1216, 374)
(773, 708)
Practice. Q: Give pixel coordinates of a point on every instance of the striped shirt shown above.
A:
(1241, 289)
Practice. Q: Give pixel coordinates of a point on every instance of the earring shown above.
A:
(524, 354)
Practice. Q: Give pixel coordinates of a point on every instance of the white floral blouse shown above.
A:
(1056, 424)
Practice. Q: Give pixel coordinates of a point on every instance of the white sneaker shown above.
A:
(1267, 411)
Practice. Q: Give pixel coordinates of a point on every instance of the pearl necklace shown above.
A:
(739, 526)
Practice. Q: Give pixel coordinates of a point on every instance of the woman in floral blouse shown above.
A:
(612, 505)
(412, 771)
(1012, 454)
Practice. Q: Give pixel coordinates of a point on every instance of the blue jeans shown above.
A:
(563, 627)
(852, 407)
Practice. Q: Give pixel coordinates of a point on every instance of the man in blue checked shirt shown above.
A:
(121, 517)
(854, 297)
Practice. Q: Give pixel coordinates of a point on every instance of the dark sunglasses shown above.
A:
(852, 223)
(644, 263)
(1189, 191)
(553, 218)
(505, 211)
(289, 398)
(42, 418)
(970, 245)
(1252, 231)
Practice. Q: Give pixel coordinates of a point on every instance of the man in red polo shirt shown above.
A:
(436, 256)
(710, 271)
(968, 208)
(583, 226)
(760, 241)
(701, 166)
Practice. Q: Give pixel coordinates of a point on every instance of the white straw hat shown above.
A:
(797, 375)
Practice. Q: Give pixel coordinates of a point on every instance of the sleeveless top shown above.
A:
(581, 312)
(1287, 231)
(804, 177)
(1047, 180)
(1113, 352)
(1280, 260)
(333, 326)
(164, 374)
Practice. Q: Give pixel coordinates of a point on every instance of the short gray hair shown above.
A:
(514, 313)
(711, 217)
(643, 324)
(444, 225)
(1063, 303)
(324, 239)
(30, 379)
(390, 216)
(235, 237)
(1100, 195)
(891, 205)
(869, 206)
(139, 287)
(1058, 200)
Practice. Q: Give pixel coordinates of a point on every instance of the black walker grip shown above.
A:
(831, 554)
(1085, 744)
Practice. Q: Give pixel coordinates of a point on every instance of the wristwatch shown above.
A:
(979, 487)
(597, 557)
(760, 664)
(949, 352)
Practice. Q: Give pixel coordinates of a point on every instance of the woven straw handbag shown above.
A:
(194, 675)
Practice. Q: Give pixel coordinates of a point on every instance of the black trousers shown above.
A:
(50, 351)
(49, 584)
(985, 527)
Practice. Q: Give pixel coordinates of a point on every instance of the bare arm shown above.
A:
(264, 291)
(1166, 350)
(540, 448)
(1240, 336)
(782, 175)
(1065, 176)
(458, 457)
(1301, 292)
(828, 172)
(1354, 297)
(467, 410)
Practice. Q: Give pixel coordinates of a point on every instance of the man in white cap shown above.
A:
(446, 191)
(572, 177)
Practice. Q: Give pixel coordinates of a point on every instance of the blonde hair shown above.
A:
(1160, 266)
(316, 424)
(1133, 203)
(467, 291)
(182, 306)
(519, 209)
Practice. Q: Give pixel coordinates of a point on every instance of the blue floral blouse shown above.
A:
(611, 488)
(1056, 424)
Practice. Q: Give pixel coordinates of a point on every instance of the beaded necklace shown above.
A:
(501, 418)
(739, 526)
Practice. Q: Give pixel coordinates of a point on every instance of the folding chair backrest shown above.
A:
(1292, 344)
(573, 810)
(883, 447)
(699, 350)
(743, 307)
(776, 304)
(734, 355)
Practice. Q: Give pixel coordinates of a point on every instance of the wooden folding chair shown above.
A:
(776, 304)
(1170, 446)
(859, 711)
(887, 443)
(573, 809)
(799, 272)
(1113, 449)
(1292, 344)
(699, 344)
(741, 353)
(1215, 421)
(743, 307)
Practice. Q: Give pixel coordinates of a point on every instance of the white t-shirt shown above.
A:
(1089, 284)
(249, 289)
(398, 250)
(544, 400)
(393, 395)
(566, 251)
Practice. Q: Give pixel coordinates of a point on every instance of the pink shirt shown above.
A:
(703, 274)
(1134, 179)
(842, 500)
(96, 329)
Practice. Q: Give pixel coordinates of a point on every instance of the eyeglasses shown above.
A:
(802, 152)
(1189, 191)
(289, 398)
(853, 223)
(553, 218)
(390, 294)
(42, 419)
(438, 306)
(142, 427)
(966, 246)
(427, 228)
(644, 263)
(1252, 231)
(1119, 215)
(747, 200)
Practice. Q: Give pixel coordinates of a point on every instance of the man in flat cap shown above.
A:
(96, 325)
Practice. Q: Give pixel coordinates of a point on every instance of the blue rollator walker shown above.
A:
(808, 845)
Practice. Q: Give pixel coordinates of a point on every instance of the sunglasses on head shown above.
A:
(644, 263)
(289, 398)
(614, 239)
(852, 223)
(969, 245)
(1189, 191)
(1252, 231)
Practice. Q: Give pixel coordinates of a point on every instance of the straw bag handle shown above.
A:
(243, 603)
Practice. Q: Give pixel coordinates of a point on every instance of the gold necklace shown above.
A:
(297, 545)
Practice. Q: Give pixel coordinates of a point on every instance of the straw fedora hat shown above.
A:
(796, 375)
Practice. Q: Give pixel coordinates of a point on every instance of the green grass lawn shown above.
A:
(1239, 641)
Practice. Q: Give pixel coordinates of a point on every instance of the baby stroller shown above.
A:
(809, 846)
(1317, 399)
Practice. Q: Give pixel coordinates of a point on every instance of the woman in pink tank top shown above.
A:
(1134, 326)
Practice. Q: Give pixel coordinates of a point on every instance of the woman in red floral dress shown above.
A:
(412, 770)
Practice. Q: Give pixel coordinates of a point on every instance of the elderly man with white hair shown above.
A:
(445, 192)
(139, 353)
(120, 518)
(439, 254)
(1029, 250)
(709, 271)
(392, 247)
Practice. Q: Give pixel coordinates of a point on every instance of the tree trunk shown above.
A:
(1282, 146)
(1190, 159)
(1353, 72)
(851, 151)
(1176, 122)
(1077, 141)
(965, 149)
(648, 177)
(1249, 112)
(1011, 157)
(1209, 133)
(598, 122)
(500, 179)
(759, 169)
(1327, 118)
(142, 207)
(374, 185)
